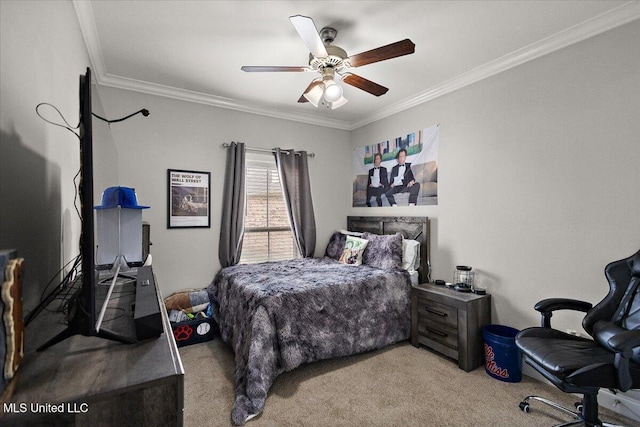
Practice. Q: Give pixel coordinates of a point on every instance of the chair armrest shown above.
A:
(547, 306)
(624, 342)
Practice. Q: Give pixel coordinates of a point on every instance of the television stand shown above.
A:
(96, 381)
(71, 331)
(77, 326)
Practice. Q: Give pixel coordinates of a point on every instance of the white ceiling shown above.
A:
(193, 50)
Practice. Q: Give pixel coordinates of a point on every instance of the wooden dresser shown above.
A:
(89, 381)
(450, 322)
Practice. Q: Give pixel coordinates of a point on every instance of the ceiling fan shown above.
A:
(330, 61)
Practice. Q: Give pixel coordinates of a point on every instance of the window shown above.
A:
(267, 233)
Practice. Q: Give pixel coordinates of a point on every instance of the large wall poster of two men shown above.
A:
(398, 172)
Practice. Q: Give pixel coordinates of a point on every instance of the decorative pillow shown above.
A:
(354, 247)
(410, 254)
(335, 247)
(383, 252)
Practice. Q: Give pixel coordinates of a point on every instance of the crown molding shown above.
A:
(84, 12)
(606, 21)
(216, 101)
(609, 20)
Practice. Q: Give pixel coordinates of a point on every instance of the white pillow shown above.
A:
(410, 254)
(351, 233)
(353, 249)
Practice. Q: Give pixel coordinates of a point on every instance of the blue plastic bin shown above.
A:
(502, 357)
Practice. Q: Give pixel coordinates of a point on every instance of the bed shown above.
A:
(279, 315)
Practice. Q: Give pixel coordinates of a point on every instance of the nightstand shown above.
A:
(450, 322)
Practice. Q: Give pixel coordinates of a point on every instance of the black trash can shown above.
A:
(503, 358)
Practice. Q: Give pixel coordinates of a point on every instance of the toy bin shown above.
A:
(193, 331)
(503, 358)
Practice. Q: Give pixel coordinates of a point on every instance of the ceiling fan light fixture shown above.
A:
(314, 95)
(339, 103)
(330, 61)
(332, 91)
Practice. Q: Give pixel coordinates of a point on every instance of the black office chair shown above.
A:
(581, 365)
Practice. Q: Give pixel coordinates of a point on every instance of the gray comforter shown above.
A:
(280, 315)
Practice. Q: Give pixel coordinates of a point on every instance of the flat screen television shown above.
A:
(82, 305)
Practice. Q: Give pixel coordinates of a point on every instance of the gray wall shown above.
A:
(43, 54)
(538, 175)
(538, 179)
(183, 135)
(105, 153)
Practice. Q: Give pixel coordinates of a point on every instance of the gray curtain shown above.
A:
(294, 178)
(233, 206)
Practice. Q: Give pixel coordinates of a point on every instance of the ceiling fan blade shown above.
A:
(393, 50)
(307, 30)
(364, 84)
(268, 68)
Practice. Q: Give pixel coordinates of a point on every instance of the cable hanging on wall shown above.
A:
(144, 112)
(66, 126)
(72, 129)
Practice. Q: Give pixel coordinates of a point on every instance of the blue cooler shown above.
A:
(503, 359)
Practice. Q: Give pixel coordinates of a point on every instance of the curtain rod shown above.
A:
(264, 150)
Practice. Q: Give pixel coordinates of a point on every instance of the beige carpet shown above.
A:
(397, 386)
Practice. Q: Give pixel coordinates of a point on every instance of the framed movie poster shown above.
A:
(188, 199)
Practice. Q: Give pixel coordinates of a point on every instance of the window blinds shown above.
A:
(268, 234)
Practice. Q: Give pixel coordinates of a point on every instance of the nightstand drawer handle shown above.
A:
(439, 313)
(433, 331)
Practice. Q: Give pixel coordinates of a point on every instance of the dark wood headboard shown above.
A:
(411, 227)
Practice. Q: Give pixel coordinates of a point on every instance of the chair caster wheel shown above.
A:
(524, 406)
